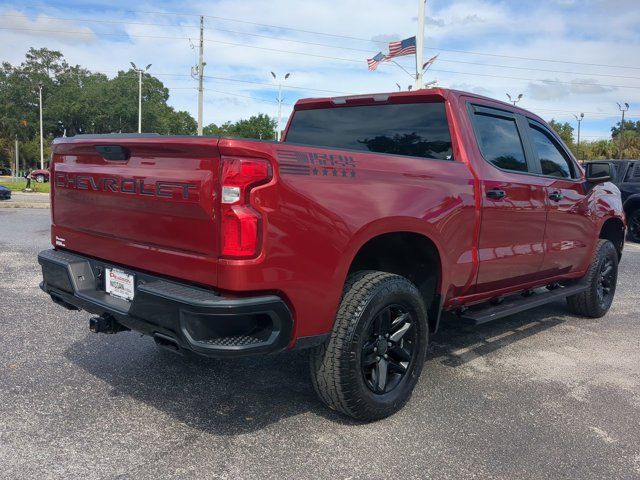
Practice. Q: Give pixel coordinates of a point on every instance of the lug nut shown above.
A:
(375, 349)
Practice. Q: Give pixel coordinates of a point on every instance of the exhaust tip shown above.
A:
(167, 342)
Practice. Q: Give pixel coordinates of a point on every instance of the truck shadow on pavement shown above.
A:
(231, 397)
(457, 345)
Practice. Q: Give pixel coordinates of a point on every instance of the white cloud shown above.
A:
(597, 32)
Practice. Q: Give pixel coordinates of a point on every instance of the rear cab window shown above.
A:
(409, 129)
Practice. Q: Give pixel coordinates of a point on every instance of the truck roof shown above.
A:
(402, 97)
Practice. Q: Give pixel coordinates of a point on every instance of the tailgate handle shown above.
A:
(113, 152)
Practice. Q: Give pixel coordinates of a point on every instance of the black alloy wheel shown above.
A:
(606, 281)
(388, 350)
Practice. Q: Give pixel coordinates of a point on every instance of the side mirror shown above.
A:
(599, 172)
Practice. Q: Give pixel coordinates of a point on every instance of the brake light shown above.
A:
(240, 222)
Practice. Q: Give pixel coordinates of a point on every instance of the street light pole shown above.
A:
(279, 133)
(579, 119)
(623, 110)
(140, 72)
(41, 129)
(516, 100)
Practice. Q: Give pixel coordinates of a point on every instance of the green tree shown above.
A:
(77, 101)
(256, 126)
(564, 130)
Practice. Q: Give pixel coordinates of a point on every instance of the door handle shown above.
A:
(556, 196)
(496, 194)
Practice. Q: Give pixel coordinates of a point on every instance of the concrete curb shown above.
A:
(6, 204)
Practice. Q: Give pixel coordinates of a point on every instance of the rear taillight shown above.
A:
(240, 222)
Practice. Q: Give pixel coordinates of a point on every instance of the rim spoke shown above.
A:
(400, 353)
(369, 359)
(397, 367)
(399, 333)
(381, 375)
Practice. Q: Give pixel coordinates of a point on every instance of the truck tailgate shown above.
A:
(143, 201)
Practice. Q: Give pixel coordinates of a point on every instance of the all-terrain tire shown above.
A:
(337, 371)
(601, 280)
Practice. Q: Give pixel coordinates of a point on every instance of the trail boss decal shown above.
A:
(132, 186)
(294, 162)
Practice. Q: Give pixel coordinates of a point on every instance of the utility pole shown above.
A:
(140, 72)
(279, 133)
(579, 119)
(420, 43)
(16, 171)
(516, 100)
(41, 129)
(623, 110)
(200, 75)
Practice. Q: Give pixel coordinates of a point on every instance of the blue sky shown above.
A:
(564, 56)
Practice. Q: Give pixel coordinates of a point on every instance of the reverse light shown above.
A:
(240, 222)
(230, 194)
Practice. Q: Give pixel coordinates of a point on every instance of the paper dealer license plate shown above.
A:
(119, 284)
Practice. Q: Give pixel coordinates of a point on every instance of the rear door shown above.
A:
(514, 201)
(571, 234)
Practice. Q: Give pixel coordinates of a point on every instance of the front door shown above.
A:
(570, 236)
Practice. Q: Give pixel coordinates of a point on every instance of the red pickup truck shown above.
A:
(375, 215)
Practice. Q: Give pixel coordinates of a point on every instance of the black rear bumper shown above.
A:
(193, 318)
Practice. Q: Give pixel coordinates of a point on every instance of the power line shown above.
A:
(237, 80)
(302, 42)
(313, 32)
(289, 52)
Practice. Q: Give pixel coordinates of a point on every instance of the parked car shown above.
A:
(627, 178)
(376, 214)
(40, 176)
(5, 172)
(5, 193)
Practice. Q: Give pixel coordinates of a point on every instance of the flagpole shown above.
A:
(420, 43)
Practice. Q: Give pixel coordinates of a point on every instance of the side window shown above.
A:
(552, 161)
(500, 142)
(634, 173)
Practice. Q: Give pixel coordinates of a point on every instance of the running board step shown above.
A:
(517, 304)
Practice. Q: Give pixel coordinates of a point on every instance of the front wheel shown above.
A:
(373, 359)
(601, 280)
(40, 178)
(633, 221)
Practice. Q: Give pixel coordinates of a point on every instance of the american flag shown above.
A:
(373, 62)
(429, 62)
(402, 47)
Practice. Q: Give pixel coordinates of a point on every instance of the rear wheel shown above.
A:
(40, 178)
(601, 280)
(373, 359)
(633, 222)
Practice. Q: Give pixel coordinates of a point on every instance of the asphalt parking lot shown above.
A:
(538, 395)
